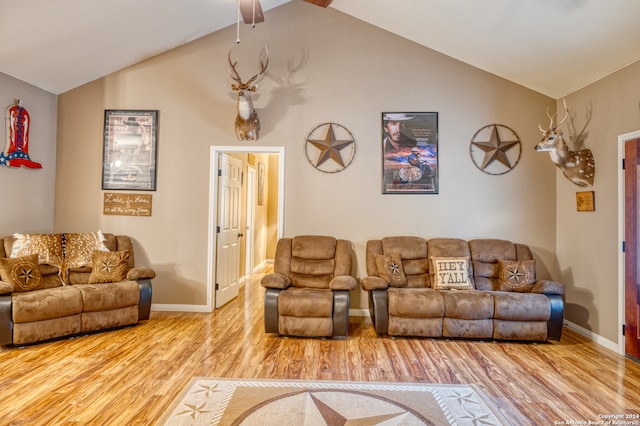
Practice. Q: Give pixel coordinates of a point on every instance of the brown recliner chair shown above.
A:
(308, 292)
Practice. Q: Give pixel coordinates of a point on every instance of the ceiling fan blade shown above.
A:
(323, 3)
(249, 14)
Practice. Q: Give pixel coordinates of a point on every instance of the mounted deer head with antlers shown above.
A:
(577, 166)
(247, 122)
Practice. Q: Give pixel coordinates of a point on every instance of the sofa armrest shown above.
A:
(275, 280)
(5, 288)
(140, 273)
(548, 287)
(373, 283)
(6, 323)
(343, 282)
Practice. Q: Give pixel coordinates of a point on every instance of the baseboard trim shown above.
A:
(593, 336)
(179, 308)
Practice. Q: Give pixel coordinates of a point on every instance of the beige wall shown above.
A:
(352, 73)
(28, 194)
(588, 247)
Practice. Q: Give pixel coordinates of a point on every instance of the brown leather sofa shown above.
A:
(446, 287)
(308, 292)
(74, 290)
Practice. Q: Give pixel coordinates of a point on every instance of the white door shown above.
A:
(251, 212)
(228, 229)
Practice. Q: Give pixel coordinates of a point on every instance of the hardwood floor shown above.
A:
(129, 376)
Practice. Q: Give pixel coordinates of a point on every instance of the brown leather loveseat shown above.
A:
(447, 287)
(308, 292)
(56, 285)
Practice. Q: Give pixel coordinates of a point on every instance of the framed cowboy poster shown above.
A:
(410, 153)
(130, 150)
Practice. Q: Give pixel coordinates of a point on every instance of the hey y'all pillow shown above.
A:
(451, 273)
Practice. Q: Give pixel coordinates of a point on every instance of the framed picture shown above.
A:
(130, 150)
(260, 183)
(409, 152)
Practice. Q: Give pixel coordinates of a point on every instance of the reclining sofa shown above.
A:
(55, 285)
(308, 292)
(446, 287)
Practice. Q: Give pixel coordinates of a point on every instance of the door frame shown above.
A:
(622, 139)
(213, 204)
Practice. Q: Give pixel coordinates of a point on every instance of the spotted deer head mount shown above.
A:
(577, 166)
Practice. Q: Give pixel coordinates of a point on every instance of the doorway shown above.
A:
(629, 233)
(214, 163)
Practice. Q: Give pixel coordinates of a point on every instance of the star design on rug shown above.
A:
(330, 147)
(207, 390)
(193, 410)
(495, 149)
(332, 417)
(463, 398)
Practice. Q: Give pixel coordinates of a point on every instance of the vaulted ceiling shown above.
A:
(552, 46)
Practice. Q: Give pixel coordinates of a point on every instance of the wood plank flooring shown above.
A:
(129, 376)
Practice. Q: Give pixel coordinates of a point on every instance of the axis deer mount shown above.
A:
(577, 166)
(247, 124)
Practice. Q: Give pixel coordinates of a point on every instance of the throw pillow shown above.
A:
(516, 276)
(109, 266)
(390, 269)
(451, 273)
(21, 272)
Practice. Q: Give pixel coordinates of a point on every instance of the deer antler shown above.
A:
(235, 76)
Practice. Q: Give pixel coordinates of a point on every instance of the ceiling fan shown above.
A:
(251, 10)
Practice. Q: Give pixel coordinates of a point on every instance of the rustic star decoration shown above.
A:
(330, 146)
(496, 148)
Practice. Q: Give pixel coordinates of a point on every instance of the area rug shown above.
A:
(210, 401)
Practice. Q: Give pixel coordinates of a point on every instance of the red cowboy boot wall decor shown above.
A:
(16, 153)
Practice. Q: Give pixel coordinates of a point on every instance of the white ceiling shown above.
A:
(552, 46)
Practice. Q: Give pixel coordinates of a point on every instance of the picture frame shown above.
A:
(130, 150)
(409, 152)
(261, 177)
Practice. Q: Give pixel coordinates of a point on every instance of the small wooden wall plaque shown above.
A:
(127, 204)
(585, 201)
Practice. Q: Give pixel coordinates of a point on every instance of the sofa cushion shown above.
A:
(105, 297)
(313, 247)
(521, 307)
(305, 302)
(407, 247)
(22, 273)
(450, 273)
(46, 304)
(390, 269)
(415, 303)
(516, 276)
(468, 305)
(109, 266)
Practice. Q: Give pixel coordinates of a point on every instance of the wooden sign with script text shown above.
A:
(127, 204)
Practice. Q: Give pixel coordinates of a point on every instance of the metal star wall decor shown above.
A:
(330, 147)
(495, 149)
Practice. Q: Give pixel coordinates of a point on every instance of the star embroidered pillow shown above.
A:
(516, 276)
(109, 266)
(22, 273)
(390, 269)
